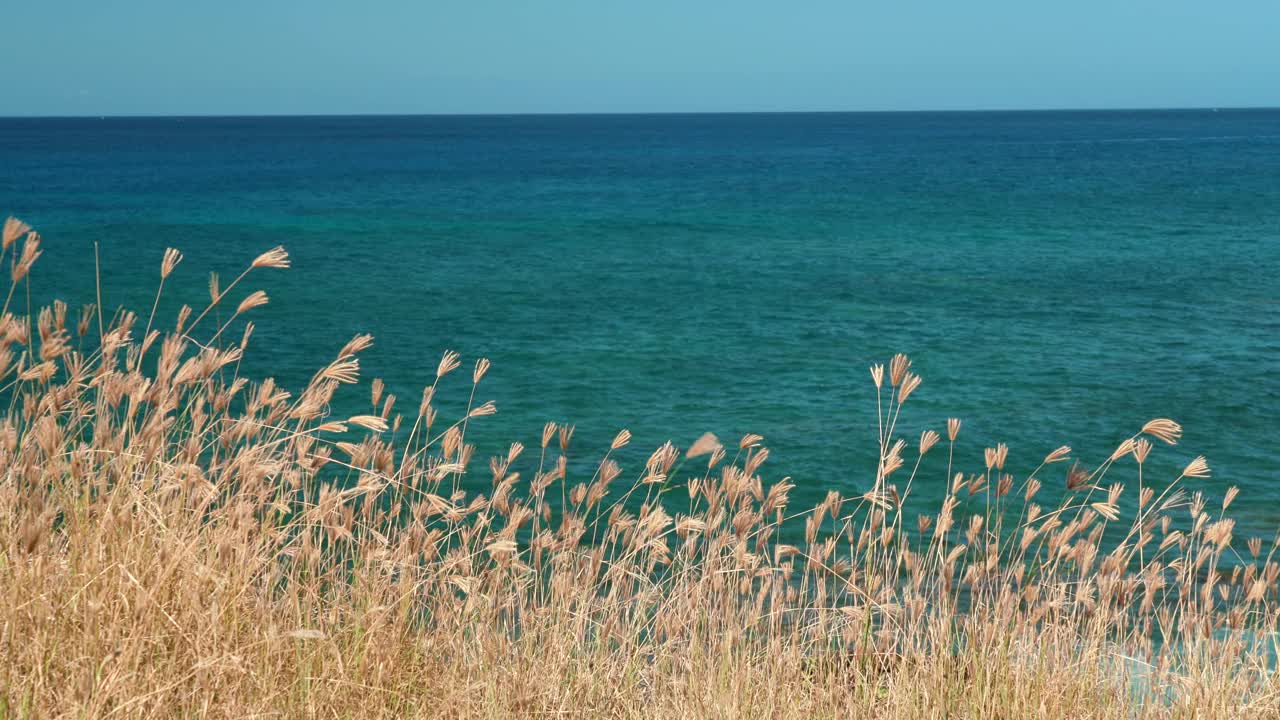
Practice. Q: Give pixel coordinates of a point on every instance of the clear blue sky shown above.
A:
(104, 57)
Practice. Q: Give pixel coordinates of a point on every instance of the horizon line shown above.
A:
(163, 116)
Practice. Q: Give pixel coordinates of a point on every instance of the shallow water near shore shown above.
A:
(1058, 278)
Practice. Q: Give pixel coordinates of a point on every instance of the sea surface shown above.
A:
(1056, 277)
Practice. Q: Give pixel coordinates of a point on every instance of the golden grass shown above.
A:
(181, 541)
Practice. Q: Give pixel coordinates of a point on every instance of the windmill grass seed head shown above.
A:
(1163, 429)
(276, 257)
(14, 229)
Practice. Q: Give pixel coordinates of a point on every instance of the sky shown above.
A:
(248, 57)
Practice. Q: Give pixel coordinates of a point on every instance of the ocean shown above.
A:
(1056, 277)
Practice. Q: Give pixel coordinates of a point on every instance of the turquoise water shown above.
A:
(1058, 278)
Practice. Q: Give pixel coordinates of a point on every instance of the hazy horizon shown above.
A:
(938, 111)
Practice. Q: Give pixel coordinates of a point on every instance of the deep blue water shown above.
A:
(1057, 277)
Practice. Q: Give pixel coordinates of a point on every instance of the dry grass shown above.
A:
(177, 540)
